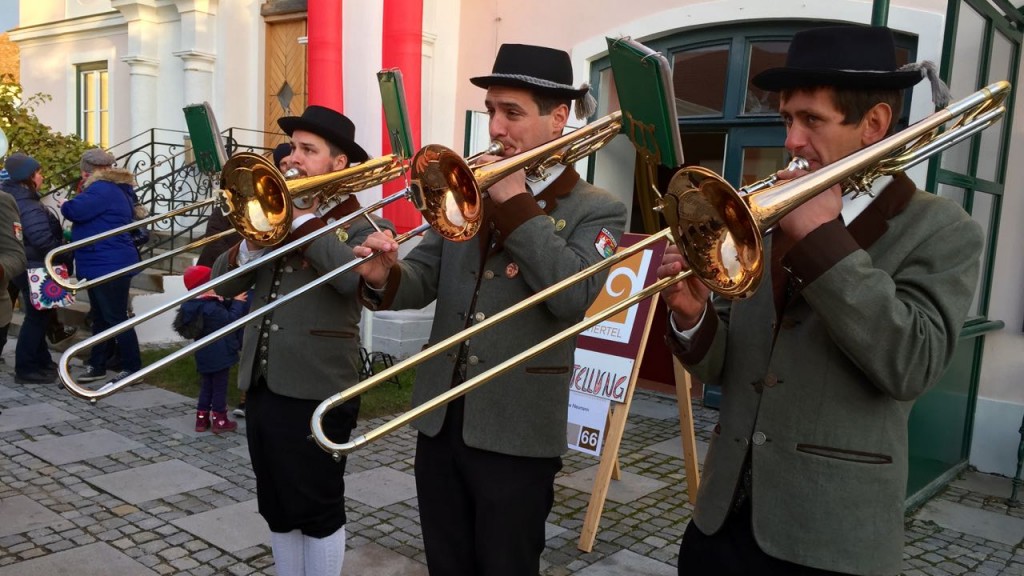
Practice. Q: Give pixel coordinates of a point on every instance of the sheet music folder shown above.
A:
(643, 79)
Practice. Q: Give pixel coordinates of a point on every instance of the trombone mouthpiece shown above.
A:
(291, 173)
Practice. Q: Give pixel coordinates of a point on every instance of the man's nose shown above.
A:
(796, 139)
(497, 127)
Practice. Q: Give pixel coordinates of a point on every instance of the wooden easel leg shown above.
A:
(686, 431)
(609, 465)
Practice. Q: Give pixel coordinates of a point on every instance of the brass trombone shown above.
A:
(720, 231)
(256, 199)
(453, 212)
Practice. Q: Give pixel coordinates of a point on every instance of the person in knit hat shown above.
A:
(196, 318)
(41, 232)
(107, 201)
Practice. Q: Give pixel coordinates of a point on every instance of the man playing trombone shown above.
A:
(485, 464)
(807, 468)
(299, 355)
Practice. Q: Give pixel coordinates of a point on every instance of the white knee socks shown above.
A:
(298, 555)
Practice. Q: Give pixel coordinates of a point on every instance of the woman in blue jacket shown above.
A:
(41, 232)
(107, 201)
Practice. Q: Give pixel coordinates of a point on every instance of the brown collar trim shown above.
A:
(560, 188)
(350, 205)
(869, 226)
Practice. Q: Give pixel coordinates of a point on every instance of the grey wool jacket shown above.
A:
(313, 341)
(12, 252)
(522, 249)
(818, 391)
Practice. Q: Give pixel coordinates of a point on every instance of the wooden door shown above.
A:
(285, 74)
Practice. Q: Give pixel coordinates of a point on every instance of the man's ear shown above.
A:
(340, 162)
(875, 124)
(559, 118)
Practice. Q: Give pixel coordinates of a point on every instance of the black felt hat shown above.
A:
(332, 126)
(535, 67)
(844, 57)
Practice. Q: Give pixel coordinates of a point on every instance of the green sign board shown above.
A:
(205, 136)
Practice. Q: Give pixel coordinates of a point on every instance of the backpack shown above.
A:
(188, 330)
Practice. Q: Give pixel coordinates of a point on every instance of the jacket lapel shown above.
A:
(873, 222)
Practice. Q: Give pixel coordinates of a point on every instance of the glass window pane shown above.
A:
(761, 162)
(705, 149)
(104, 129)
(89, 126)
(954, 193)
(607, 95)
(981, 211)
(991, 149)
(763, 55)
(699, 78)
(964, 77)
(90, 91)
(103, 89)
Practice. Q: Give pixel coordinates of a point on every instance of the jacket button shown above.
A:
(759, 438)
(479, 316)
(274, 327)
(771, 380)
(488, 274)
(288, 269)
(473, 360)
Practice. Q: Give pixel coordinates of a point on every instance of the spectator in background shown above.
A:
(41, 233)
(210, 313)
(12, 257)
(107, 201)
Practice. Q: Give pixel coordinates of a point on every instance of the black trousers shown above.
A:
(732, 551)
(298, 485)
(482, 513)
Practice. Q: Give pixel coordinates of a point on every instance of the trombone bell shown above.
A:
(444, 191)
(257, 200)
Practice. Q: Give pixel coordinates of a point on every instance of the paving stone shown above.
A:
(988, 525)
(380, 487)
(242, 451)
(60, 450)
(9, 393)
(145, 398)
(154, 481)
(628, 562)
(997, 486)
(674, 447)
(379, 561)
(247, 527)
(22, 514)
(628, 488)
(33, 415)
(97, 559)
(656, 410)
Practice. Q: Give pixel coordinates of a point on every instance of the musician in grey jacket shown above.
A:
(485, 464)
(297, 356)
(807, 468)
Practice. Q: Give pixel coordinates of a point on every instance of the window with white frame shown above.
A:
(93, 99)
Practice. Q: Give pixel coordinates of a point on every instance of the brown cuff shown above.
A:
(513, 212)
(233, 255)
(377, 300)
(819, 251)
(307, 227)
(693, 352)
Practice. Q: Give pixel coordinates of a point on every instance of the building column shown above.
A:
(198, 48)
(143, 63)
(402, 48)
(324, 82)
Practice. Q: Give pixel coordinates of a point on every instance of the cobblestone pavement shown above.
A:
(125, 487)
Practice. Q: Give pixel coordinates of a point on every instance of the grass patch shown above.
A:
(181, 377)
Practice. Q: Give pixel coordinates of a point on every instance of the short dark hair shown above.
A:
(547, 104)
(334, 149)
(854, 103)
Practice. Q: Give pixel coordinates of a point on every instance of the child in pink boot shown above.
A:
(196, 318)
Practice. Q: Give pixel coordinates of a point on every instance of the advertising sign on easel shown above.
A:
(608, 358)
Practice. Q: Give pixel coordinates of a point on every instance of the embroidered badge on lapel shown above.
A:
(512, 270)
(605, 243)
(17, 231)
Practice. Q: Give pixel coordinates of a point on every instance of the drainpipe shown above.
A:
(324, 81)
(880, 13)
(402, 48)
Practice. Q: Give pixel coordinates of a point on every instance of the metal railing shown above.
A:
(167, 178)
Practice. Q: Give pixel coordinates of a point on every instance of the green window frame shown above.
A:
(982, 197)
(93, 103)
